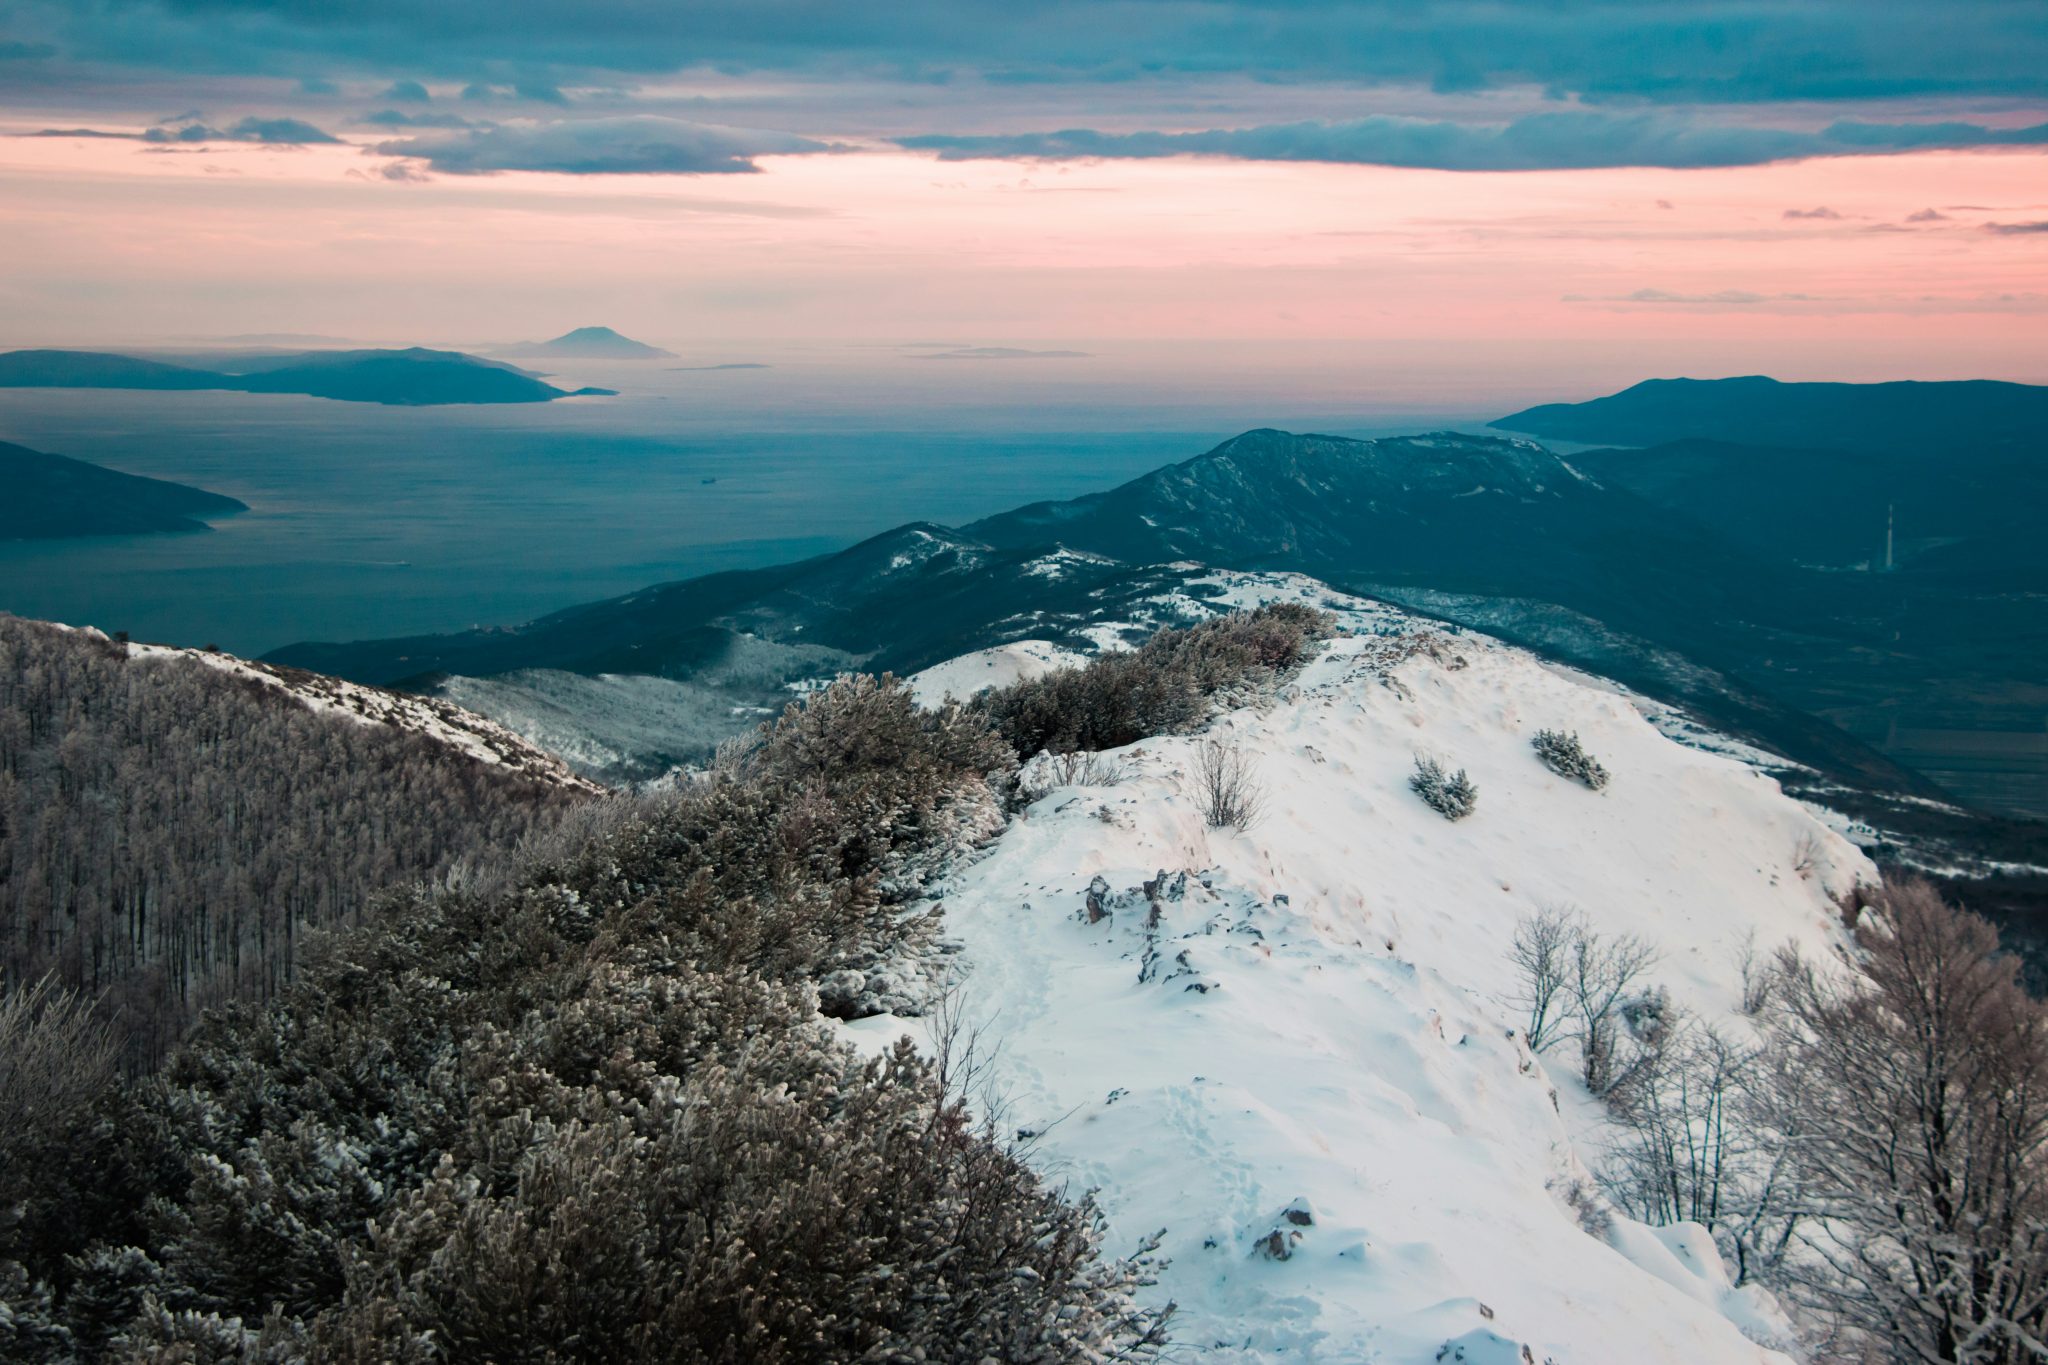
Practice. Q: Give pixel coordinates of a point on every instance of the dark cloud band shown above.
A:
(632, 145)
(1578, 140)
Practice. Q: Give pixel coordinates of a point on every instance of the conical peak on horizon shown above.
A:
(589, 343)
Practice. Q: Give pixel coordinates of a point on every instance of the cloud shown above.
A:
(1851, 134)
(1535, 142)
(626, 145)
(2015, 229)
(185, 128)
(1927, 216)
(1576, 140)
(1726, 51)
(398, 118)
(1824, 213)
(1675, 83)
(1667, 296)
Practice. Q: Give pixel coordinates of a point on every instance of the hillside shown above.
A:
(173, 822)
(823, 1049)
(1316, 1013)
(412, 377)
(48, 496)
(1982, 416)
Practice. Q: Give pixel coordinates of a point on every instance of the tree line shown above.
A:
(170, 831)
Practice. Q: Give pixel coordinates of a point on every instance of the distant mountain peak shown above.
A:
(589, 343)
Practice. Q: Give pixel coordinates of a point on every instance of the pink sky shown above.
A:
(110, 241)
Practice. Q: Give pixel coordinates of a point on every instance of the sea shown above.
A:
(367, 521)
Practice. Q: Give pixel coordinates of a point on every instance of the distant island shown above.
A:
(52, 497)
(587, 343)
(736, 365)
(414, 377)
(1001, 353)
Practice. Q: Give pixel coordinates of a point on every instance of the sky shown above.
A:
(1841, 188)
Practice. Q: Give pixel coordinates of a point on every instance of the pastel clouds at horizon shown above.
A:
(1135, 168)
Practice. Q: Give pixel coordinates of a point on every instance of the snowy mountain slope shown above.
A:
(998, 666)
(1321, 1012)
(465, 731)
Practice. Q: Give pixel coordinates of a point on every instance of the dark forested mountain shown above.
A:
(1979, 415)
(588, 343)
(1645, 572)
(411, 377)
(47, 496)
(172, 823)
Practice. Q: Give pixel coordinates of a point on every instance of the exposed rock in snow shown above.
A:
(1320, 1024)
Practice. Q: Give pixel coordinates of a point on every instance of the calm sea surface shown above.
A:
(368, 521)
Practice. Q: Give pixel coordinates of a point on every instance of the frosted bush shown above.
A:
(1451, 795)
(1565, 756)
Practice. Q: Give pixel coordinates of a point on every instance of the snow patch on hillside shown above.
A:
(972, 674)
(1293, 1048)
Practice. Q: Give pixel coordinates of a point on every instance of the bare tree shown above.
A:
(1575, 983)
(1919, 1089)
(1542, 951)
(1806, 853)
(1759, 976)
(1227, 785)
(1601, 975)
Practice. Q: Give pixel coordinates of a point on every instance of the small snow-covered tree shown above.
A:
(1451, 795)
(1565, 756)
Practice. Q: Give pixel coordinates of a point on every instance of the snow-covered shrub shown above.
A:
(590, 1111)
(1451, 795)
(1166, 686)
(1565, 756)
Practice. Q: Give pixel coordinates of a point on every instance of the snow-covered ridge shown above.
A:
(1299, 1038)
(442, 721)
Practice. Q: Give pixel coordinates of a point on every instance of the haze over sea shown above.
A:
(369, 521)
(373, 521)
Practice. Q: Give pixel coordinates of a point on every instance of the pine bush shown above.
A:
(1565, 756)
(1451, 795)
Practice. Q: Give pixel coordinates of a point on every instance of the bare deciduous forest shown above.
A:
(169, 831)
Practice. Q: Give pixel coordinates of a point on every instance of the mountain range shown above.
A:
(414, 376)
(1906, 417)
(1745, 583)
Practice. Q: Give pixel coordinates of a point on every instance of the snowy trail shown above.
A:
(1325, 1019)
